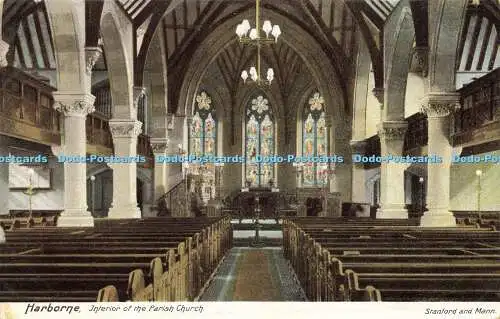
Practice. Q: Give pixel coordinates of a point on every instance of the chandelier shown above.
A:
(248, 35)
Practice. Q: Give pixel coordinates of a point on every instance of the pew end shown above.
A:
(108, 294)
(136, 283)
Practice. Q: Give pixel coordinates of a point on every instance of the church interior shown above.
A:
(249, 150)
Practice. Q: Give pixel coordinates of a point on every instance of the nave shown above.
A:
(254, 274)
(196, 259)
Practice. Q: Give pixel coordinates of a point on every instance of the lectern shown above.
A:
(257, 242)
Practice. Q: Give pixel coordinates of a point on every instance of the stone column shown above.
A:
(358, 173)
(147, 200)
(392, 193)
(438, 107)
(160, 147)
(125, 134)
(341, 179)
(75, 108)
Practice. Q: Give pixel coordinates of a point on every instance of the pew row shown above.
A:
(120, 260)
(357, 262)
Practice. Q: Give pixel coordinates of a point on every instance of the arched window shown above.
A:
(203, 141)
(314, 142)
(203, 130)
(259, 142)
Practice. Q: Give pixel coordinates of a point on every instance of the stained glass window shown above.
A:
(203, 136)
(259, 142)
(314, 142)
(203, 131)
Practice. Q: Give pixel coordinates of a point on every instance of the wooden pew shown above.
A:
(176, 265)
(374, 258)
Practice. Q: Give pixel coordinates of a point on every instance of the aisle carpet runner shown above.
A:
(255, 278)
(252, 277)
(253, 274)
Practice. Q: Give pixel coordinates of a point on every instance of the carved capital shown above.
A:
(92, 55)
(139, 92)
(392, 130)
(440, 104)
(74, 104)
(420, 60)
(125, 128)
(159, 145)
(4, 49)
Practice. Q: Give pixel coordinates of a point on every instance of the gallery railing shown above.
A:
(480, 104)
(26, 107)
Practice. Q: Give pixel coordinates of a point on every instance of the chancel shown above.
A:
(249, 150)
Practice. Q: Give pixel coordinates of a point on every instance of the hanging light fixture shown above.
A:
(248, 35)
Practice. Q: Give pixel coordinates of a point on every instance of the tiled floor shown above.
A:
(222, 286)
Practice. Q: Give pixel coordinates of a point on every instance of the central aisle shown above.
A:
(254, 274)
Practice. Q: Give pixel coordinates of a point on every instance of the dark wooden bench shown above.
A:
(387, 260)
(53, 261)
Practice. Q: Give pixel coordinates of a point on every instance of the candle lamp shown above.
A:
(422, 197)
(479, 173)
(92, 190)
(30, 191)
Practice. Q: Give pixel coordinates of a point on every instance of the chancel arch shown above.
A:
(309, 51)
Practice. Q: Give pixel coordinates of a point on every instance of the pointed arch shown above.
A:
(118, 62)
(399, 39)
(68, 29)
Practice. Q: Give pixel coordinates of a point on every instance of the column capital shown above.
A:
(159, 145)
(4, 49)
(74, 104)
(436, 105)
(392, 130)
(92, 55)
(125, 128)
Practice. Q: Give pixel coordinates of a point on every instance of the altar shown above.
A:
(269, 201)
